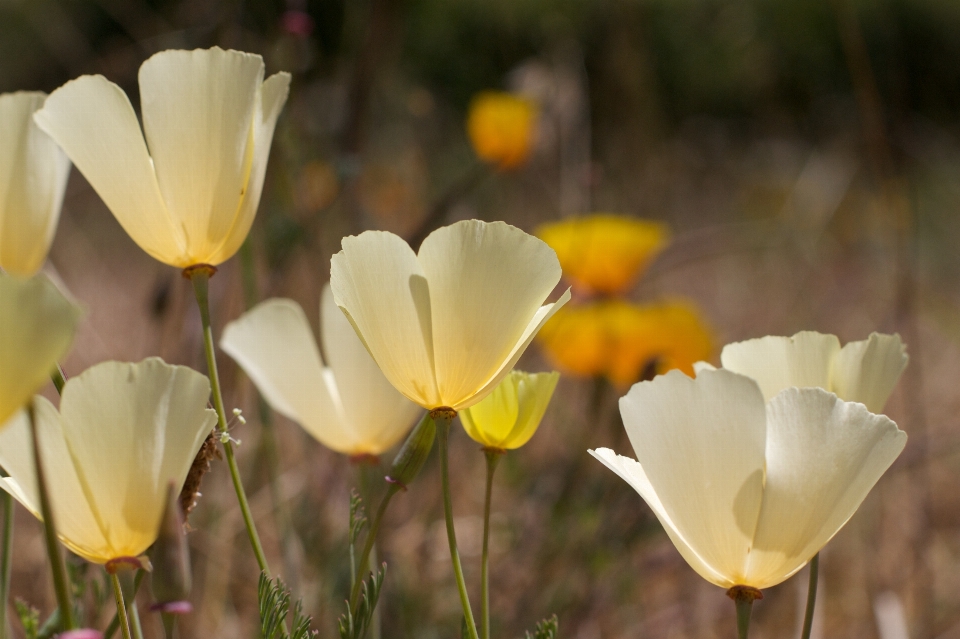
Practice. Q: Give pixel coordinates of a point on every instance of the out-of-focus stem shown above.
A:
(5, 560)
(392, 489)
(443, 417)
(811, 597)
(493, 456)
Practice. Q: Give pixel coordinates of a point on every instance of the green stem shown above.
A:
(61, 584)
(370, 477)
(811, 597)
(744, 607)
(200, 276)
(6, 563)
(59, 379)
(443, 420)
(392, 490)
(121, 607)
(493, 456)
(115, 622)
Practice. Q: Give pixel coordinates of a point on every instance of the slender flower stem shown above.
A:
(6, 562)
(744, 596)
(392, 489)
(121, 607)
(200, 276)
(443, 417)
(493, 456)
(59, 379)
(811, 597)
(61, 584)
(115, 622)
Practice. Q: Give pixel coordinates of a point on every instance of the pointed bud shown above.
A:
(414, 452)
(171, 560)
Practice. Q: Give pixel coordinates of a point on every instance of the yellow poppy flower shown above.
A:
(501, 127)
(509, 416)
(622, 340)
(123, 433)
(604, 253)
(188, 193)
(33, 178)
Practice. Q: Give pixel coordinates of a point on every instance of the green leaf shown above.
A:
(274, 597)
(546, 629)
(355, 626)
(29, 618)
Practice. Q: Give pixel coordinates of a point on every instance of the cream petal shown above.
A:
(33, 178)
(376, 413)
(806, 359)
(274, 93)
(487, 282)
(823, 457)
(92, 120)
(274, 344)
(37, 324)
(198, 111)
(542, 317)
(378, 282)
(699, 367)
(631, 472)
(868, 370)
(535, 391)
(132, 429)
(77, 525)
(701, 444)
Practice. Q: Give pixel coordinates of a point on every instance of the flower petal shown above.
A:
(132, 429)
(198, 111)
(378, 282)
(37, 324)
(823, 457)
(274, 344)
(631, 472)
(273, 95)
(701, 444)
(867, 371)
(804, 360)
(33, 178)
(92, 120)
(377, 415)
(490, 421)
(535, 391)
(487, 281)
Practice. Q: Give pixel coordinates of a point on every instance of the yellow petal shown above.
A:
(490, 421)
(605, 253)
(701, 444)
(487, 282)
(867, 371)
(823, 457)
(37, 325)
(378, 282)
(377, 414)
(501, 127)
(776, 363)
(92, 120)
(33, 177)
(535, 391)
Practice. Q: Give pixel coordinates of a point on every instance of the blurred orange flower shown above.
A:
(501, 127)
(605, 253)
(626, 342)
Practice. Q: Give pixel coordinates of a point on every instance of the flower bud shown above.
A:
(171, 561)
(414, 452)
(509, 416)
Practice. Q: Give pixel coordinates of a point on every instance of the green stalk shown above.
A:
(115, 622)
(121, 607)
(493, 457)
(443, 417)
(811, 596)
(744, 607)
(200, 276)
(61, 584)
(6, 563)
(392, 489)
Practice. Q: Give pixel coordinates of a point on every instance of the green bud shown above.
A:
(414, 452)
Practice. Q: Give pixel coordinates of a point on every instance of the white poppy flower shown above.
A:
(33, 178)
(350, 406)
(37, 324)
(749, 491)
(188, 193)
(123, 433)
(447, 324)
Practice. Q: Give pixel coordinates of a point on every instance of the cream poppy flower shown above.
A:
(749, 491)
(208, 118)
(123, 433)
(509, 416)
(865, 371)
(37, 324)
(447, 325)
(33, 178)
(349, 406)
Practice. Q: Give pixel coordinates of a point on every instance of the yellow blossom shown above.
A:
(509, 416)
(604, 253)
(501, 127)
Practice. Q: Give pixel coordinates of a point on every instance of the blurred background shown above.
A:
(804, 154)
